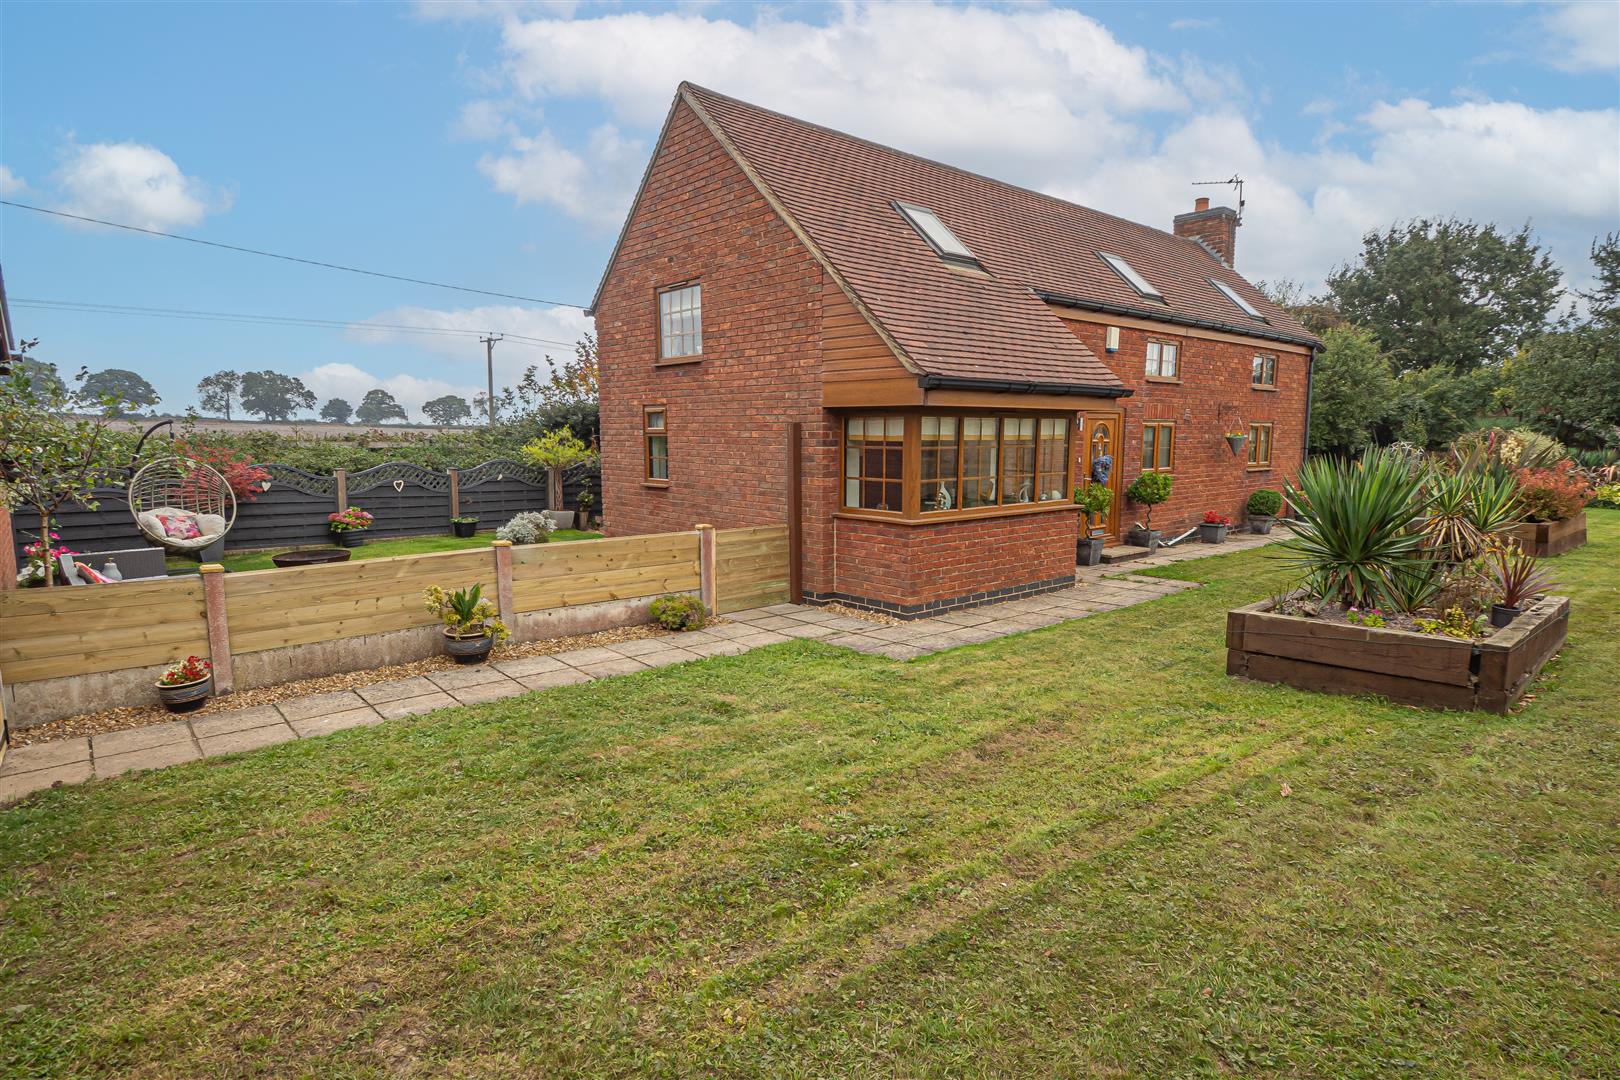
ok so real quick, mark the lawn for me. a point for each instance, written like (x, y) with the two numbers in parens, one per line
(378, 549)
(1080, 851)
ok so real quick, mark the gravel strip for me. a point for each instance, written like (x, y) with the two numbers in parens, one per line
(869, 616)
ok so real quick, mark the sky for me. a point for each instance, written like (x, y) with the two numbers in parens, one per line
(498, 146)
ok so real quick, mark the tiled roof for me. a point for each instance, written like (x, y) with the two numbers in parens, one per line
(841, 190)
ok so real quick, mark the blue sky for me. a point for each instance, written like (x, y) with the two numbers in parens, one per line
(497, 145)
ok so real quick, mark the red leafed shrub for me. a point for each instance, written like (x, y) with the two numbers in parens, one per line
(1552, 494)
(238, 470)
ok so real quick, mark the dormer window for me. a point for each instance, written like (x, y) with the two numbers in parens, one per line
(939, 237)
(1130, 276)
(1241, 304)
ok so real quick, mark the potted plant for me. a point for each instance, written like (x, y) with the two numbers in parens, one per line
(1236, 440)
(585, 501)
(347, 526)
(1212, 530)
(464, 526)
(1094, 500)
(1264, 505)
(471, 624)
(1517, 578)
(184, 686)
(1149, 490)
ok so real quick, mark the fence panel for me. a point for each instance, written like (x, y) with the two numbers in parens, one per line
(107, 528)
(48, 633)
(590, 571)
(291, 514)
(751, 567)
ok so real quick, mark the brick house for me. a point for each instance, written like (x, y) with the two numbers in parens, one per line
(948, 354)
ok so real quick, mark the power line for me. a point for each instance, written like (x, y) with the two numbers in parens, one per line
(273, 320)
(286, 258)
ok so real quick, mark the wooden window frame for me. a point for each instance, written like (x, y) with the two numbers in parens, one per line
(1268, 366)
(1161, 343)
(1255, 464)
(648, 434)
(911, 473)
(662, 291)
(907, 470)
(1159, 426)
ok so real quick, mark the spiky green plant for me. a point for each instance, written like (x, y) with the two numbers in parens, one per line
(1448, 522)
(1494, 501)
(1355, 523)
(1411, 585)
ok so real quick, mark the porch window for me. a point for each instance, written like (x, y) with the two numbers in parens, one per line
(1265, 371)
(1053, 466)
(874, 456)
(1162, 359)
(1158, 447)
(680, 322)
(941, 460)
(980, 458)
(1259, 446)
(1018, 457)
(655, 437)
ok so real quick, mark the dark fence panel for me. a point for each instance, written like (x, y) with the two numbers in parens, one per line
(497, 491)
(284, 516)
(107, 528)
(405, 499)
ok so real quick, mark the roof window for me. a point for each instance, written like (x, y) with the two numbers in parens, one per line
(1232, 295)
(1132, 278)
(940, 238)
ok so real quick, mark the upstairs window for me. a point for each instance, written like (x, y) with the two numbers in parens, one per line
(1163, 360)
(680, 322)
(1131, 277)
(1265, 371)
(1238, 301)
(939, 237)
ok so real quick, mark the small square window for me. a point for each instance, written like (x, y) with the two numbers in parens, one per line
(680, 322)
(1259, 446)
(1162, 359)
(1265, 371)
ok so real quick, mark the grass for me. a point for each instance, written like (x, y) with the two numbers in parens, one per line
(1081, 851)
(379, 549)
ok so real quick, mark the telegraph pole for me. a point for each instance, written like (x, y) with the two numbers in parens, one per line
(489, 362)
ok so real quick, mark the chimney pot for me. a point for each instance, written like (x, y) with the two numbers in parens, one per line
(1200, 205)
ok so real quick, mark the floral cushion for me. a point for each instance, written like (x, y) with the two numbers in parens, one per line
(179, 525)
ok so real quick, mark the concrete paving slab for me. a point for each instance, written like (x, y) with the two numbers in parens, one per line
(306, 708)
(750, 615)
(141, 738)
(779, 623)
(850, 625)
(731, 630)
(813, 615)
(579, 658)
(223, 723)
(809, 630)
(234, 742)
(719, 648)
(899, 650)
(641, 646)
(766, 637)
(459, 678)
(151, 757)
(488, 691)
(624, 665)
(316, 726)
(666, 657)
(782, 609)
(412, 706)
(415, 686)
(529, 665)
(548, 679)
(17, 785)
(47, 755)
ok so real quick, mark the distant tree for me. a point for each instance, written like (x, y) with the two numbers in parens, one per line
(274, 396)
(337, 411)
(219, 391)
(569, 397)
(116, 388)
(379, 407)
(42, 378)
(1352, 391)
(448, 410)
(1603, 302)
(1447, 294)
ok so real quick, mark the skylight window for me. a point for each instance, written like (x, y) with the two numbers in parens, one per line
(939, 237)
(1132, 278)
(1242, 304)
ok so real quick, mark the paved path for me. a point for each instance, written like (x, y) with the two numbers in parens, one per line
(73, 761)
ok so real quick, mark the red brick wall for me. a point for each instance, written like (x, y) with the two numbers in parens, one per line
(918, 564)
(1214, 396)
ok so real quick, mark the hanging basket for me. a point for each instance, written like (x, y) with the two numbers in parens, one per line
(185, 492)
(1237, 443)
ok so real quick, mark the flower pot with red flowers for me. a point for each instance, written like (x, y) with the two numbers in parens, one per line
(184, 686)
(1212, 530)
(347, 526)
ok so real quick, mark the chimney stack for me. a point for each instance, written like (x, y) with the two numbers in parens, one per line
(1216, 227)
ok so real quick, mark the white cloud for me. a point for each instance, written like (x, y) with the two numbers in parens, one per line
(11, 183)
(351, 383)
(594, 185)
(135, 184)
(1194, 24)
(1582, 36)
(482, 120)
(557, 327)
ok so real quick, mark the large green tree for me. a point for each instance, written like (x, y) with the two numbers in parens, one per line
(379, 407)
(447, 411)
(118, 389)
(337, 410)
(274, 396)
(220, 391)
(1352, 391)
(1448, 294)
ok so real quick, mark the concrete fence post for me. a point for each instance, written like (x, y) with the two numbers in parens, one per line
(219, 631)
(503, 582)
(707, 586)
(8, 552)
(342, 478)
(455, 492)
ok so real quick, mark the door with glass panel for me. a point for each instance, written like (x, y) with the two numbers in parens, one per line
(1098, 455)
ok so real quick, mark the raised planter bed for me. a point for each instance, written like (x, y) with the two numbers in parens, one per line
(1544, 539)
(1413, 669)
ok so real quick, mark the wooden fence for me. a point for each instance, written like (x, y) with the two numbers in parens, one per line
(52, 633)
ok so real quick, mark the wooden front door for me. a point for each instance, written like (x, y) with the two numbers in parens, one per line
(1100, 437)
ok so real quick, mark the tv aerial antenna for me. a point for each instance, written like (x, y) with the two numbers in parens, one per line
(1234, 181)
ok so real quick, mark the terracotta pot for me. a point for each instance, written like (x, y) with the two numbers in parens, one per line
(465, 649)
(184, 697)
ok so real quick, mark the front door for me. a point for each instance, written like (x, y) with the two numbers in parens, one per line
(1100, 438)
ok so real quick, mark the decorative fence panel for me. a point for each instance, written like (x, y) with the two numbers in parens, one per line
(106, 528)
(405, 499)
(751, 567)
(497, 491)
(291, 514)
(49, 633)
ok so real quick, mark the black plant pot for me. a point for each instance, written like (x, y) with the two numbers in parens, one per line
(465, 529)
(1148, 538)
(1501, 615)
(468, 650)
(1261, 523)
(349, 538)
(184, 697)
(1088, 552)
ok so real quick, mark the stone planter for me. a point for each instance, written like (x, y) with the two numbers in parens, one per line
(464, 529)
(466, 649)
(1212, 534)
(1148, 538)
(1088, 551)
(347, 538)
(1544, 539)
(1261, 523)
(184, 697)
(1412, 669)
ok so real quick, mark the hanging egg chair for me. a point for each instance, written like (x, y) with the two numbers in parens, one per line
(182, 506)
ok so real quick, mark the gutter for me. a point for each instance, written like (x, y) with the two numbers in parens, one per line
(952, 382)
(1161, 315)
(1310, 379)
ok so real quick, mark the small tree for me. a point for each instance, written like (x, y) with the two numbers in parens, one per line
(337, 411)
(1149, 490)
(220, 391)
(555, 451)
(378, 407)
(48, 458)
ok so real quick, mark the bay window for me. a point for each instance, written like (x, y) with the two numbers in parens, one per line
(874, 455)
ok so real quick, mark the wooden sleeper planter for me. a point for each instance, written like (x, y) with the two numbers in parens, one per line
(1544, 539)
(1413, 669)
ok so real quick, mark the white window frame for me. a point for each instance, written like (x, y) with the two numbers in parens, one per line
(1129, 275)
(946, 244)
(680, 323)
(1241, 304)
(1155, 353)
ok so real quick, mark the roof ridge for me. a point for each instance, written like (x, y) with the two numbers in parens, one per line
(687, 85)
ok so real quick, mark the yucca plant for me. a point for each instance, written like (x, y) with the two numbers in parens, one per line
(1411, 585)
(1355, 523)
(1448, 522)
(1495, 502)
